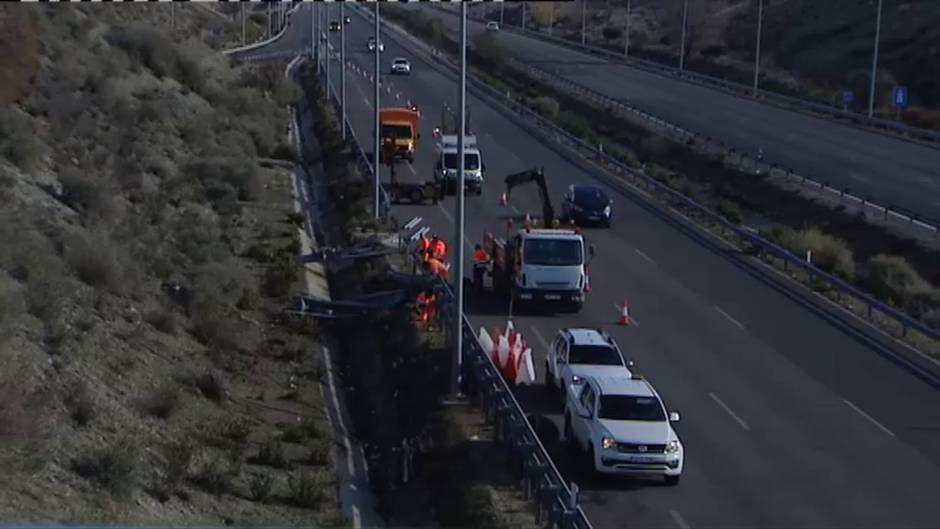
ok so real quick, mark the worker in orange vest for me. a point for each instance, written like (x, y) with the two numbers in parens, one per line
(480, 263)
(436, 267)
(425, 307)
(423, 245)
(438, 248)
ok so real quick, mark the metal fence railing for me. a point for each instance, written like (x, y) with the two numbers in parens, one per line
(729, 86)
(619, 174)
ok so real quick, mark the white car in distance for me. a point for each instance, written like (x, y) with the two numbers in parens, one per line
(623, 426)
(576, 353)
(492, 26)
(401, 65)
(372, 45)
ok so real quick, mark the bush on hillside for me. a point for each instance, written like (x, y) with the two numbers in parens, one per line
(487, 48)
(546, 106)
(158, 53)
(221, 175)
(828, 253)
(893, 279)
(94, 260)
(112, 466)
(19, 142)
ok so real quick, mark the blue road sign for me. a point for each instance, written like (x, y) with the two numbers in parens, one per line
(900, 96)
(848, 96)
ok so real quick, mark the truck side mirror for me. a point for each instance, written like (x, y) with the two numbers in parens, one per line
(673, 416)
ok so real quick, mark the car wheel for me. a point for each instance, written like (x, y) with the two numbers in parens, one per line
(416, 196)
(569, 435)
(590, 454)
(672, 481)
(549, 380)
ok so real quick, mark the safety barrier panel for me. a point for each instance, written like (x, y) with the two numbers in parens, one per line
(551, 132)
(729, 86)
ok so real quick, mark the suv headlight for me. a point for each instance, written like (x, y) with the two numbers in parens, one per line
(672, 447)
(607, 211)
(575, 379)
(608, 443)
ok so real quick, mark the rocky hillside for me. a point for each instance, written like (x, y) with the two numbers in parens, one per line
(147, 376)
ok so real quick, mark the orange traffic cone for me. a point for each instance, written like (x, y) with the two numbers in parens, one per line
(624, 314)
(502, 200)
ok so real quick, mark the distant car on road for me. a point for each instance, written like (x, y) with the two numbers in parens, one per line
(621, 423)
(347, 20)
(372, 45)
(576, 353)
(334, 25)
(492, 26)
(587, 204)
(401, 65)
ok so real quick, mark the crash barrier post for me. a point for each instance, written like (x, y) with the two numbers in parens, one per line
(744, 90)
(552, 134)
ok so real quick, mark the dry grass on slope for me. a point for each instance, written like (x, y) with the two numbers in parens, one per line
(127, 171)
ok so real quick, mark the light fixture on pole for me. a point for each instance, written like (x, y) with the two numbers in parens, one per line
(375, 109)
(457, 364)
(685, 14)
(760, 24)
(874, 64)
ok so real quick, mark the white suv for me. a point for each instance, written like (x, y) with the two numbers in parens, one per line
(576, 353)
(401, 65)
(622, 424)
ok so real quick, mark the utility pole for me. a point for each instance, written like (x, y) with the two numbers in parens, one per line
(551, 16)
(457, 365)
(375, 111)
(342, 64)
(244, 24)
(329, 84)
(760, 24)
(523, 15)
(685, 15)
(501, 6)
(874, 64)
(626, 34)
(583, 21)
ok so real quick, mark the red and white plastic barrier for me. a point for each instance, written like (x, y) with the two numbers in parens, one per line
(510, 353)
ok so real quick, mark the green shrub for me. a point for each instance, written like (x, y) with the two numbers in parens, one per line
(221, 175)
(285, 151)
(271, 453)
(279, 276)
(19, 142)
(79, 403)
(828, 253)
(214, 476)
(177, 456)
(259, 486)
(162, 401)
(305, 489)
(155, 50)
(94, 260)
(892, 278)
(319, 453)
(112, 467)
(932, 318)
(211, 385)
(546, 106)
(730, 211)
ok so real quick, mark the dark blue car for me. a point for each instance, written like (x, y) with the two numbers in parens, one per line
(586, 205)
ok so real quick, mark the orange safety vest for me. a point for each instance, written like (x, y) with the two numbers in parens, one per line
(439, 249)
(438, 269)
(424, 243)
(480, 257)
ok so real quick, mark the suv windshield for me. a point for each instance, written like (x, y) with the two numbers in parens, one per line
(471, 161)
(630, 408)
(553, 252)
(398, 132)
(590, 197)
(601, 355)
(401, 61)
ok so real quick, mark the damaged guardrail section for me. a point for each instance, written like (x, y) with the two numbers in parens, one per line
(556, 503)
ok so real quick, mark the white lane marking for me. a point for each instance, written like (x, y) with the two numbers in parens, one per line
(446, 214)
(539, 337)
(412, 169)
(871, 419)
(644, 256)
(726, 315)
(368, 103)
(730, 412)
(339, 413)
(676, 517)
(632, 319)
(357, 519)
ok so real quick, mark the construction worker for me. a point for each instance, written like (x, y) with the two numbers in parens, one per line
(480, 263)
(423, 245)
(425, 307)
(438, 248)
(436, 267)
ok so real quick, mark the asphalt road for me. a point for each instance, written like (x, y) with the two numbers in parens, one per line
(792, 416)
(884, 169)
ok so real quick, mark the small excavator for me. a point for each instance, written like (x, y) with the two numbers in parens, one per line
(536, 175)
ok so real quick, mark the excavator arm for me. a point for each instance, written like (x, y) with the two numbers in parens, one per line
(538, 176)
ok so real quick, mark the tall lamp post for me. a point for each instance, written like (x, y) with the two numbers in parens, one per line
(457, 364)
(874, 64)
(375, 109)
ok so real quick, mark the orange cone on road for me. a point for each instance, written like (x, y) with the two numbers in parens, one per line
(624, 314)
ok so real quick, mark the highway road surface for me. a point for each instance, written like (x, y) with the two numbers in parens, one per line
(887, 170)
(793, 415)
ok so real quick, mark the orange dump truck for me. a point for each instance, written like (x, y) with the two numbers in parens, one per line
(401, 126)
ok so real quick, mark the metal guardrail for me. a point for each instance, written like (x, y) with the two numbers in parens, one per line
(248, 56)
(845, 196)
(729, 86)
(558, 135)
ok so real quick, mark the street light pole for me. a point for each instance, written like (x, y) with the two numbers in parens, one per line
(342, 63)
(375, 111)
(685, 14)
(551, 16)
(523, 15)
(501, 6)
(329, 85)
(244, 24)
(583, 21)
(874, 64)
(315, 34)
(760, 23)
(459, 235)
(626, 36)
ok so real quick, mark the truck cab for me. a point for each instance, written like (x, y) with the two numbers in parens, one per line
(541, 267)
(446, 167)
(401, 126)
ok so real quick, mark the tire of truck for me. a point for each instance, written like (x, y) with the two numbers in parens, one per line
(416, 195)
